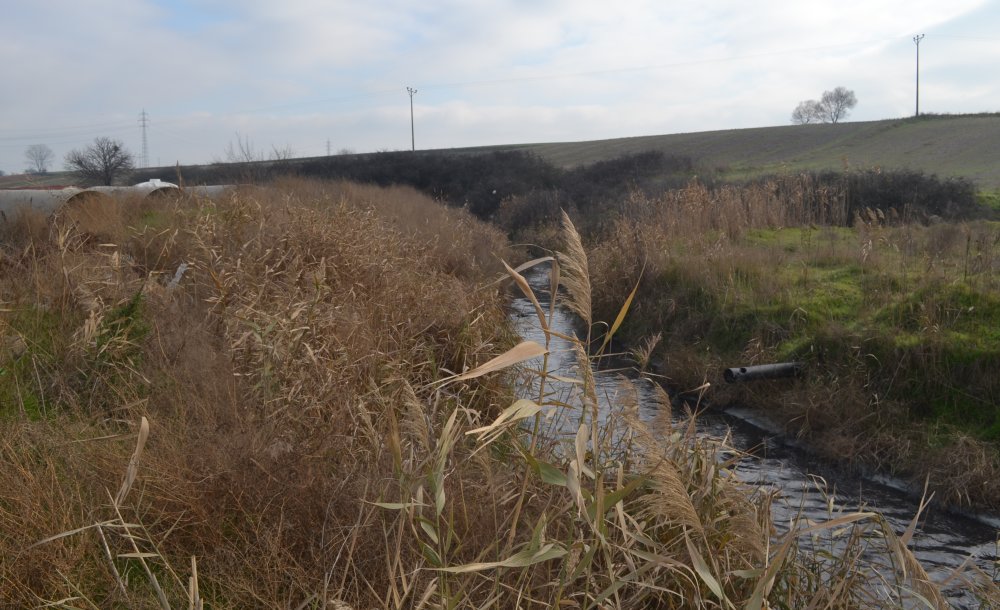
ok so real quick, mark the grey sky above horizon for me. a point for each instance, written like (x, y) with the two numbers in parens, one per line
(313, 75)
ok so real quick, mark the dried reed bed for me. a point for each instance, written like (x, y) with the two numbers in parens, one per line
(308, 322)
(731, 210)
(282, 423)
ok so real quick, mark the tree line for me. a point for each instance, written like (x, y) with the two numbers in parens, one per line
(102, 162)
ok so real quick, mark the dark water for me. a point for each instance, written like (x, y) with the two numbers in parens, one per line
(802, 484)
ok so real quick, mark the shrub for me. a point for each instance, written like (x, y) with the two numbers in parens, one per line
(912, 195)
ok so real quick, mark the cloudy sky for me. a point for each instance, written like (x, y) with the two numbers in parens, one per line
(316, 75)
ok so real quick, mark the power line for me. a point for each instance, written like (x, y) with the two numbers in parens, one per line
(62, 133)
(327, 100)
(652, 67)
(67, 139)
(75, 132)
(983, 38)
(67, 128)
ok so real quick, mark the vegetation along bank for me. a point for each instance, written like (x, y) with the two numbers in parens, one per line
(892, 305)
(303, 396)
(882, 281)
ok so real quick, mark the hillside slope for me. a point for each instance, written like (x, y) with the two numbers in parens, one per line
(36, 181)
(966, 146)
(945, 145)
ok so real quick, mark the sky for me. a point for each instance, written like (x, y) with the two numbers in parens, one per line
(312, 77)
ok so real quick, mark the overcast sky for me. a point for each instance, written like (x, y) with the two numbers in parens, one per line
(313, 75)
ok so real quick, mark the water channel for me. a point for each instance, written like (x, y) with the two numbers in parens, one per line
(804, 484)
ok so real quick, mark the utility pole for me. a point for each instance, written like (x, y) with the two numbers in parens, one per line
(144, 120)
(916, 40)
(413, 138)
(328, 147)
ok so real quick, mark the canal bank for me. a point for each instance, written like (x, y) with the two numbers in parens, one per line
(804, 485)
(896, 325)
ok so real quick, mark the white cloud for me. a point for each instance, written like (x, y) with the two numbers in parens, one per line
(298, 72)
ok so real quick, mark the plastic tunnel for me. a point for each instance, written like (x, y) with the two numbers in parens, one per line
(151, 188)
(45, 201)
(48, 201)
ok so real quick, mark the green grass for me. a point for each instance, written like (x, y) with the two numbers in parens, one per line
(105, 363)
(947, 332)
(899, 325)
(39, 334)
(990, 199)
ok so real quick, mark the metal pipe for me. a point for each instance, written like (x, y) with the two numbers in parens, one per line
(763, 371)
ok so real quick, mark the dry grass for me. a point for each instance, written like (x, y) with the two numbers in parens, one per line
(270, 374)
(310, 416)
(893, 316)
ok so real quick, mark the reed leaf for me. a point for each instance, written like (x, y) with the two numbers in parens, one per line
(133, 463)
(521, 409)
(529, 294)
(705, 573)
(621, 315)
(521, 559)
(526, 350)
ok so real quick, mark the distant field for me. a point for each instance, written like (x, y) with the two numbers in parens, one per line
(950, 145)
(961, 146)
(25, 181)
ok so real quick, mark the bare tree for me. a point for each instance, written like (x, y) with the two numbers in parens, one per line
(837, 103)
(252, 164)
(831, 108)
(243, 152)
(807, 112)
(282, 154)
(38, 157)
(102, 162)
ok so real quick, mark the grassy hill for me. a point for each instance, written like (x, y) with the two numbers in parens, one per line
(960, 145)
(29, 181)
(945, 145)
